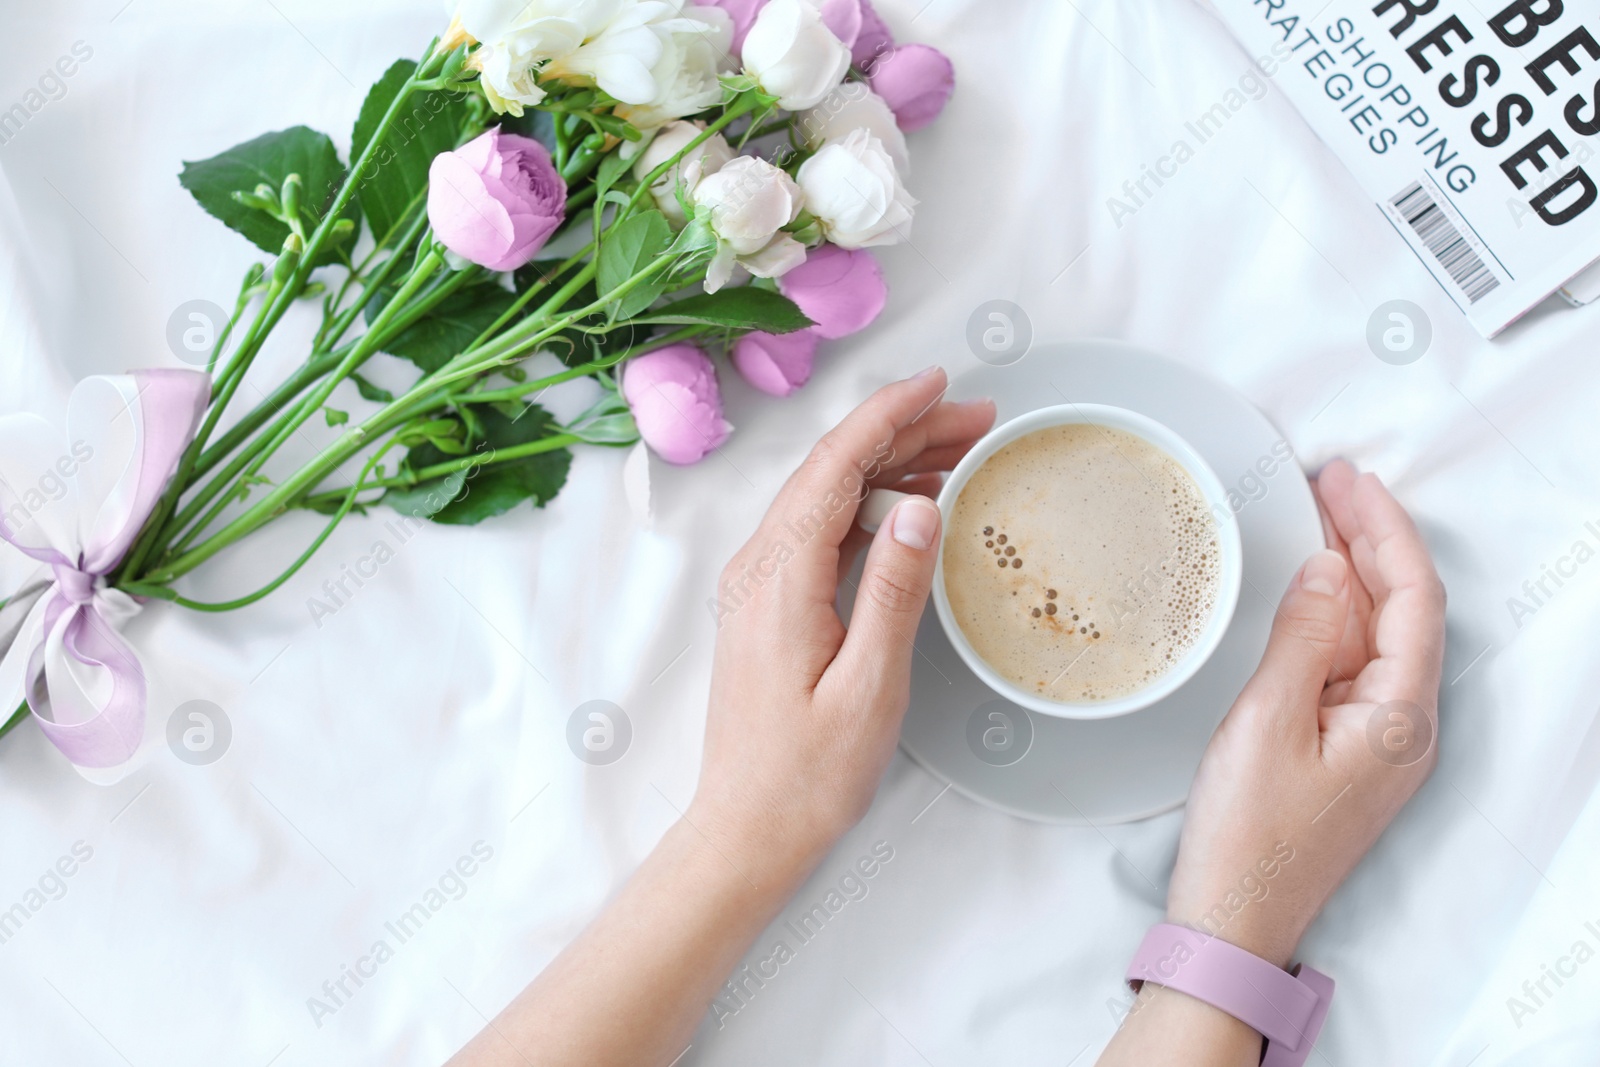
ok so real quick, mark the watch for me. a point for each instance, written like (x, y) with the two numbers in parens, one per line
(1288, 1007)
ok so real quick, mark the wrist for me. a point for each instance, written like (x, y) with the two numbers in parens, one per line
(1273, 938)
(768, 847)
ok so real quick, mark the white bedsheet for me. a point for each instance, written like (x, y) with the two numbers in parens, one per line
(428, 714)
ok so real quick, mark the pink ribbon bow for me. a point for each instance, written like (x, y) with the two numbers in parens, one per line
(76, 505)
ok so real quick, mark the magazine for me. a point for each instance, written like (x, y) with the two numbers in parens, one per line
(1472, 129)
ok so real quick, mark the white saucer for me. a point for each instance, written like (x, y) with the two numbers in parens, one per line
(1138, 765)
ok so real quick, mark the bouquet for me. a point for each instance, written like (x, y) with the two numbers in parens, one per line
(639, 187)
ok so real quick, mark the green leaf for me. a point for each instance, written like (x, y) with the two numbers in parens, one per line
(533, 122)
(741, 307)
(369, 391)
(453, 324)
(611, 168)
(511, 409)
(629, 247)
(268, 160)
(330, 506)
(335, 417)
(494, 488)
(615, 126)
(397, 178)
(607, 422)
(640, 297)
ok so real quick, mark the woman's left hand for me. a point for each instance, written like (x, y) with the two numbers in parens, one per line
(804, 713)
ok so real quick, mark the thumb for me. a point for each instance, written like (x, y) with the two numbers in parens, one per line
(1305, 636)
(877, 650)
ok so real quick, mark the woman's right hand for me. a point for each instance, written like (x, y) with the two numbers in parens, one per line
(1330, 738)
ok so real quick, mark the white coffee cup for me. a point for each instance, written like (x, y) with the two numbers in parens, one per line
(880, 502)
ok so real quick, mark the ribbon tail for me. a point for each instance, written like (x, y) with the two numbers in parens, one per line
(92, 703)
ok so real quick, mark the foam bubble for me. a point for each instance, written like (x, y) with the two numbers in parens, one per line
(1119, 542)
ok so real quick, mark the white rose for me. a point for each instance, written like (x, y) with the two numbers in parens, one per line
(693, 57)
(747, 203)
(853, 189)
(629, 48)
(793, 56)
(519, 37)
(621, 57)
(707, 157)
(854, 107)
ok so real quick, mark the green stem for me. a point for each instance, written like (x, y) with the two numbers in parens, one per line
(239, 305)
(741, 105)
(16, 717)
(749, 131)
(315, 368)
(262, 448)
(533, 290)
(350, 494)
(756, 133)
(584, 370)
(581, 165)
(249, 462)
(558, 121)
(273, 309)
(334, 326)
(463, 366)
(460, 463)
(517, 333)
(274, 403)
(229, 382)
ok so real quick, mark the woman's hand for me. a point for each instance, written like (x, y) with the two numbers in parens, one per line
(804, 714)
(803, 718)
(1330, 738)
(1327, 742)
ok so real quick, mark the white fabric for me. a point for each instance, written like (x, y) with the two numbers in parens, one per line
(428, 712)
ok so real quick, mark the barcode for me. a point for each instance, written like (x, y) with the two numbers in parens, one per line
(1445, 243)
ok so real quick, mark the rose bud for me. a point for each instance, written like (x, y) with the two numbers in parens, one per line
(853, 189)
(856, 107)
(742, 12)
(793, 55)
(874, 40)
(916, 80)
(496, 199)
(775, 363)
(704, 159)
(748, 201)
(675, 401)
(842, 17)
(839, 290)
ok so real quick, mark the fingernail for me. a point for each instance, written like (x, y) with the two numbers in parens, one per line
(916, 522)
(1323, 573)
(976, 402)
(935, 369)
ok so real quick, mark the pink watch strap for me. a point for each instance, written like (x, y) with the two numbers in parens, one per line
(1288, 1008)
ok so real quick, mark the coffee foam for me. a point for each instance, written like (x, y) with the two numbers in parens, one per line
(1081, 562)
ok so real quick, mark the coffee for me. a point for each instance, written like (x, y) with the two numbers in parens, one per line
(1081, 562)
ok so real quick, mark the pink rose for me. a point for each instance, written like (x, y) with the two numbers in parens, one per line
(742, 12)
(776, 363)
(915, 80)
(841, 291)
(844, 18)
(675, 401)
(496, 199)
(874, 41)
